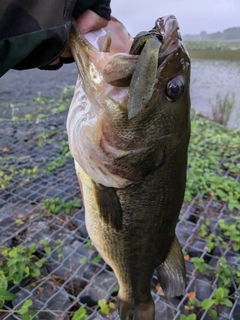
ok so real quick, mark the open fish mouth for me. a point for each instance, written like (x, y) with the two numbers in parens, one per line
(115, 45)
(123, 84)
(166, 29)
(168, 26)
(171, 37)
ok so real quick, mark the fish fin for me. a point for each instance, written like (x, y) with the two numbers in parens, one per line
(144, 78)
(141, 311)
(172, 271)
(109, 206)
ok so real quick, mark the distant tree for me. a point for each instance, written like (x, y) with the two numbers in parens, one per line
(228, 34)
(231, 34)
(203, 35)
(216, 36)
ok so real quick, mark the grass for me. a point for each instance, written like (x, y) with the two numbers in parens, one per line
(213, 151)
(36, 109)
(213, 45)
(223, 108)
(57, 205)
(220, 50)
(213, 166)
(15, 264)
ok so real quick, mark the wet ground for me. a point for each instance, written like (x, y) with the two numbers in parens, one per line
(18, 86)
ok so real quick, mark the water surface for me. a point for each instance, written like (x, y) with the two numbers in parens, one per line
(210, 77)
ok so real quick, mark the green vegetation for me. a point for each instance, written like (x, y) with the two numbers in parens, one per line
(104, 308)
(210, 144)
(219, 298)
(36, 109)
(220, 50)
(15, 264)
(98, 258)
(225, 275)
(214, 162)
(223, 108)
(200, 265)
(231, 230)
(212, 240)
(57, 163)
(57, 205)
(222, 271)
(228, 234)
(189, 317)
(80, 314)
(6, 177)
(45, 137)
(24, 311)
(213, 45)
(60, 161)
(32, 171)
(8, 173)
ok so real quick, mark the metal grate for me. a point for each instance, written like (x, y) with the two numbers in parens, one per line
(36, 166)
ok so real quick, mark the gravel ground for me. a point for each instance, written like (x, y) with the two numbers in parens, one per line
(41, 203)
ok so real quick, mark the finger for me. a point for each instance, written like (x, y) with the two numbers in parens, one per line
(90, 21)
(87, 21)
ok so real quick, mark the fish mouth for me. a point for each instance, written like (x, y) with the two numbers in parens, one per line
(166, 29)
(171, 38)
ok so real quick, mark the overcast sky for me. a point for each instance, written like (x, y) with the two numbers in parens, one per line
(194, 16)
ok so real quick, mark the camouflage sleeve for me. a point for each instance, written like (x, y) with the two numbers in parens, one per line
(34, 33)
(101, 7)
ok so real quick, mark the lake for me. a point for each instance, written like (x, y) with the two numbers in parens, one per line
(211, 77)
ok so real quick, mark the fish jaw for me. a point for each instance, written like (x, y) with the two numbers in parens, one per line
(171, 36)
(88, 113)
(86, 50)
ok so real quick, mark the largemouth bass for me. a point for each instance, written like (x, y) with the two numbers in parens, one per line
(128, 129)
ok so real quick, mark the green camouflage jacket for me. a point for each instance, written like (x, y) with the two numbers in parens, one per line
(33, 33)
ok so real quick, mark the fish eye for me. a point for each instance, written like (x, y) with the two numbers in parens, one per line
(175, 88)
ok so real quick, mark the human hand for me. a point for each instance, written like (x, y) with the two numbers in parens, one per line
(86, 21)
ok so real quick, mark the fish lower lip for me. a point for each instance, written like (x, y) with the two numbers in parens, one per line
(160, 27)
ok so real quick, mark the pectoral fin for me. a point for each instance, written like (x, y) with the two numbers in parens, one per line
(144, 77)
(109, 206)
(172, 271)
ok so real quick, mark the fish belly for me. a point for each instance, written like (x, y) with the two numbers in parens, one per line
(150, 211)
